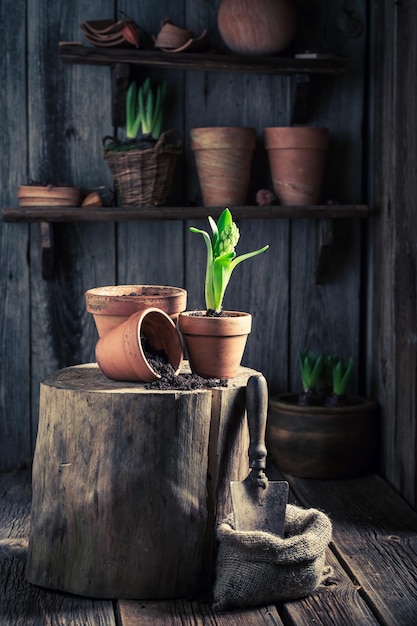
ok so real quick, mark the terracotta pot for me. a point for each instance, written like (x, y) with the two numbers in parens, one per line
(224, 161)
(111, 306)
(257, 26)
(215, 345)
(120, 354)
(322, 442)
(297, 158)
(48, 195)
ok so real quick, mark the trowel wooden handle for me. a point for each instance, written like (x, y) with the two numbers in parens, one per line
(256, 410)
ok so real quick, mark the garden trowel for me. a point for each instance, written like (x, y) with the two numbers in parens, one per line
(257, 503)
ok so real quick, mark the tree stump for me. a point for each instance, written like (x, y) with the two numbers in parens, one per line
(129, 484)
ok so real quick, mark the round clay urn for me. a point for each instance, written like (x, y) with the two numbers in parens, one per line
(120, 353)
(110, 306)
(257, 26)
(215, 345)
(323, 442)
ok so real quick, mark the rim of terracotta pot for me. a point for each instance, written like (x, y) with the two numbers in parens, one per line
(120, 299)
(288, 402)
(282, 137)
(223, 137)
(230, 324)
(158, 328)
(49, 195)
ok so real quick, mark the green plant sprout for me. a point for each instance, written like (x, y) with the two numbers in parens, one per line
(324, 379)
(342, 375)
(145, 109)
(221, 258)
(311, 367)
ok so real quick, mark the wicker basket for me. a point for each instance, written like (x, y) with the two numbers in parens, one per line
(144, 177)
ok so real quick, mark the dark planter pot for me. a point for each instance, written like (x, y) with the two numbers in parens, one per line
(323, 442)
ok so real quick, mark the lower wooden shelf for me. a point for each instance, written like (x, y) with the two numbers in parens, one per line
(124, 214)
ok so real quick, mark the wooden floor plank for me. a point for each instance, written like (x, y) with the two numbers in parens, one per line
(336, 603)
(375, 537)
(373, 554)
(184, 613)
(23, 604)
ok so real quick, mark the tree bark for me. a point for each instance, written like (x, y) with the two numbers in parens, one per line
(129, 484)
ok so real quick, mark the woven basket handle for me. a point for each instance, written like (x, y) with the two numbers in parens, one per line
(108, 138)
(171, 138)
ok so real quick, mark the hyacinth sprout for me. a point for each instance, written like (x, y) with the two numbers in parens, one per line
(221, 258)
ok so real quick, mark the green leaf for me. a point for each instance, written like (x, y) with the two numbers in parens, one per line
(222, 260)
(310, 367)
(221, 277)
(248, 255)
(342, 375)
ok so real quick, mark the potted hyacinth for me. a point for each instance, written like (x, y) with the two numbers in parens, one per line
(323, 431)
(143, 164)
(215, 339)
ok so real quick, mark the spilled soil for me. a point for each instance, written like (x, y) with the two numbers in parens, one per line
(158, 360)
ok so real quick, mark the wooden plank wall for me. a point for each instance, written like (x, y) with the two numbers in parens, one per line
(393, 262)
(51, 125)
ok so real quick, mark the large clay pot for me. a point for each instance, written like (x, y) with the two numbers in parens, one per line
(113, 305)
(120, 354)
(223, 157)
(215, 345)
(322, 442)
(257, 26)
(297, 157)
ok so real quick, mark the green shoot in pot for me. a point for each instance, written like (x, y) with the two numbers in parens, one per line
(342, 375)
(221, 258)
(145, 109)
(311, 367)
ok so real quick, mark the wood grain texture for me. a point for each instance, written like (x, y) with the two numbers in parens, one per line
(375, 538)
(180, 612)
(23, 604)
(393, 259)
(14, 276)
(67, 119)
(152, 253)
(374, 513)
(122, 481)
(328, 317)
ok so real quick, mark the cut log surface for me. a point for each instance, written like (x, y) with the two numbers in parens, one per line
(129, 483)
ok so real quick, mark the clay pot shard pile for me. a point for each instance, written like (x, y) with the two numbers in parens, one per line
(109, 33)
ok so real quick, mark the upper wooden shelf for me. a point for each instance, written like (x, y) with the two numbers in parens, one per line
(124, 214)
(76, 53)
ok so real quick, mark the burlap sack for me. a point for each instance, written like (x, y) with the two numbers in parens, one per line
(255, 568)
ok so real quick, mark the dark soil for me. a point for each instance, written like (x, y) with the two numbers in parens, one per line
(158, 360)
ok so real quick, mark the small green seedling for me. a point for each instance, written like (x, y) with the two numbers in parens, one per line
(145, 109)
(311, 367)
(221, 258)
(342, 375)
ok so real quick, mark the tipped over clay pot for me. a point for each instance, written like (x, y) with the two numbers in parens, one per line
(120, 353)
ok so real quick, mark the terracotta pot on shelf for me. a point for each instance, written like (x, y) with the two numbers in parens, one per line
(297, 157)
(215, 345)
(223, 157)
(113, 305)
(322, 442)
(48, 195)
(121, 356)
(257, 26)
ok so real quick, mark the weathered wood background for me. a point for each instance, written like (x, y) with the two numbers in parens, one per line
(53, 117)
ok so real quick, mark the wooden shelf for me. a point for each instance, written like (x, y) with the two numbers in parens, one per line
(125, 214)
(76, 53)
